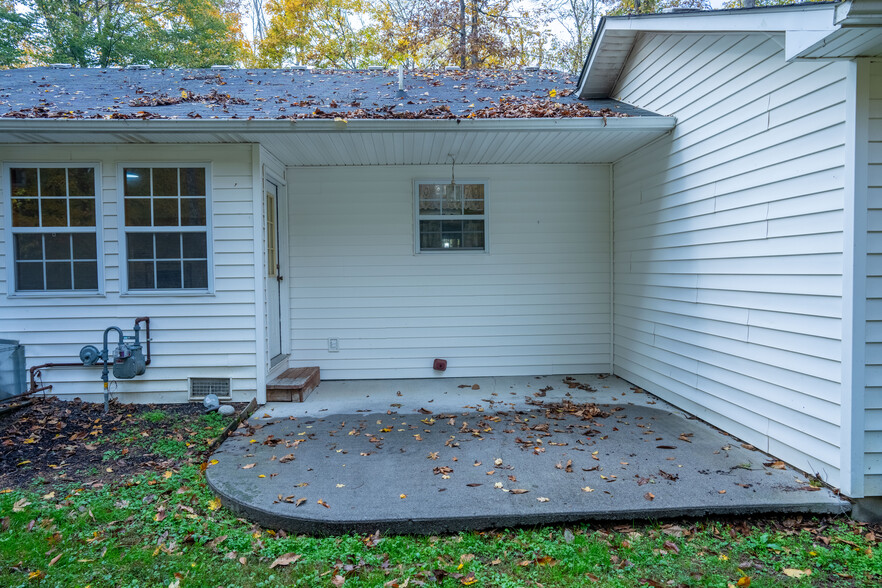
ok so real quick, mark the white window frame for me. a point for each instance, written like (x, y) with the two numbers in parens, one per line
(484, 217)
(123, 230)
(98, 230)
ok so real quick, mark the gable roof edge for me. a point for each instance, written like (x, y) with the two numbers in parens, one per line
(616, 35)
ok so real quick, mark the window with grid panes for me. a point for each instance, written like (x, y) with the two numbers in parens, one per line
(451, 217)
(54, 229)
(166, 227)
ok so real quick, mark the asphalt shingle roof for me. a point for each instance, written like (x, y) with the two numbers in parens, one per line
(287, 93)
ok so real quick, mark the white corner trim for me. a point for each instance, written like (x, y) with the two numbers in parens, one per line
(854, 276)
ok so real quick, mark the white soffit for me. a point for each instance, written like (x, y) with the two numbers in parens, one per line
(616, 35)
(857, 33)
(374, 142)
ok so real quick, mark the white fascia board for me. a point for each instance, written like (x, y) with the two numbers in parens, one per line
(61, 127)
(762, 20)
(850, 18)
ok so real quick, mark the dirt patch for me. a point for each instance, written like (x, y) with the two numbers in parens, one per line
(54, 442)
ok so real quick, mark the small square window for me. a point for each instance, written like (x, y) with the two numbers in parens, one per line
(450, 216)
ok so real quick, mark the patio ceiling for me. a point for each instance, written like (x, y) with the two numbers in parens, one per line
(373, 142)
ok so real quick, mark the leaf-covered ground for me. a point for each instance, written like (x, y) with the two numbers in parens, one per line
(163, 527)
(51, 441)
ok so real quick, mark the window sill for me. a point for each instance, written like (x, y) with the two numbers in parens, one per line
(174, 293)
(63, 294)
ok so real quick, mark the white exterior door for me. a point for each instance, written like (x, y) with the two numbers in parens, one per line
(274, 278)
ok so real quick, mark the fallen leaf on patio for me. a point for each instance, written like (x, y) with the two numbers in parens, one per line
(665, 446)
(810, 488)
(491, 472)
(287, 458)
(248, 466)
(497, 462)
(213, 462)
(338, 580)
(300, 502)
(794, 573)
(323, 503)
(433, 455)
(386, 430)
(748, 446)
(778, 465)
(424, 411)
(542, 499)
(667, 476)
(722, 491)
(477, 463)
(402, 496)
(261, 475)
(285, 560)
(341, 485)
(587, 489)
(512, 479)
(475, 387)
(473, 485)
(685, 437)
(518, 491)
(497, 485)
(649, 496)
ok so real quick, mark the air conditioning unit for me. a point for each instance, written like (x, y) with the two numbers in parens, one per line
(12, 369)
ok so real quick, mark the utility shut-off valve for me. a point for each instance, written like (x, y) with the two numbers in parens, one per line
(127, 359)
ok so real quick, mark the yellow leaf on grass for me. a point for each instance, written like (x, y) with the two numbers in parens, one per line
(168, 474)
(794, 573)
(214, 504)
(744, 581)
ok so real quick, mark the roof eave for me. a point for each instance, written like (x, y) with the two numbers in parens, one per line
(62, 127)
(807, 19)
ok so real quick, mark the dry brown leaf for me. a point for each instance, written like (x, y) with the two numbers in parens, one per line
(287, 458)
(649, 496)
(794, 573)
(248, 466)
(285, 560)
(518, 491)
(338, 580)
(777, 464)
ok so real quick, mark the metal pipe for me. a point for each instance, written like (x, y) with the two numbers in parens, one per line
(146, 321)
(105, 373)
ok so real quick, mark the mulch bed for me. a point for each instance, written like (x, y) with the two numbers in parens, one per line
(57, 441)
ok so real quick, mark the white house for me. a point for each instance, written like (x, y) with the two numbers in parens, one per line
(718, 246)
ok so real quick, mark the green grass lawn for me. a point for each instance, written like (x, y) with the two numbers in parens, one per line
(165, 528)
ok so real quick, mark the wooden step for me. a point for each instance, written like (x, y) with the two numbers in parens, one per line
(293, 383)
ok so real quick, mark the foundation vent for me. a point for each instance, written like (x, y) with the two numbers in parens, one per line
(202, 387)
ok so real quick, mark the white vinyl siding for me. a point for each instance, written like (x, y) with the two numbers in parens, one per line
(194, 334)
(536, 303)
(728, 241)
(873, 374)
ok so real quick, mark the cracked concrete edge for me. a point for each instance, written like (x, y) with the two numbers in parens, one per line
(322, 527)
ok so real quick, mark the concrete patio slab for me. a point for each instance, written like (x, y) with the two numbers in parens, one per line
(448, 455)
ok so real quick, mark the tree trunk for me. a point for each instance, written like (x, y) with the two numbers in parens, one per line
(474, 52)
(462, 34)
